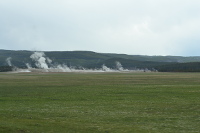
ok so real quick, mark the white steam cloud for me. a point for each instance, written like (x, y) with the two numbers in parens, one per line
(119, 66)
(40, 60)
(105, 68)
(8, 61)
(28, 66)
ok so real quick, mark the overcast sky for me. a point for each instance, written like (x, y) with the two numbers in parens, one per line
(145, 27)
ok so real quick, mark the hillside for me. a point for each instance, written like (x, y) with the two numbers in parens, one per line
(128, 64)
(179, 59)
(73, 58)
(180, 67)
(89, 59)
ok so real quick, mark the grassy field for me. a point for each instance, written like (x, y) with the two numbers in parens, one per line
(100, 102)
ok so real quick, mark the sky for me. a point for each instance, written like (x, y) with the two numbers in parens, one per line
(135, 27)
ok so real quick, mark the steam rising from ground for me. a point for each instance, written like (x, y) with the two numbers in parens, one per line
(8, 61)
(40, 60)
(119, 66)
(44, 64)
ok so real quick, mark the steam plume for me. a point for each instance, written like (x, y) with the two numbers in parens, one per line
(105, 68)
(40, 60)
(8, 60)
(119, 66)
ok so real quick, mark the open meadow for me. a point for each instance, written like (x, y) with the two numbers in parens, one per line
(99, 102)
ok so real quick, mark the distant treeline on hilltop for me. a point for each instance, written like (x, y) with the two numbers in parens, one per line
(88, 59)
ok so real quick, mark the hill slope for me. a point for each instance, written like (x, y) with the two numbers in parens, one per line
(90, 59)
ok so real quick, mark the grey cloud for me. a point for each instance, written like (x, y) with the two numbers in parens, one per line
(123, 26)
